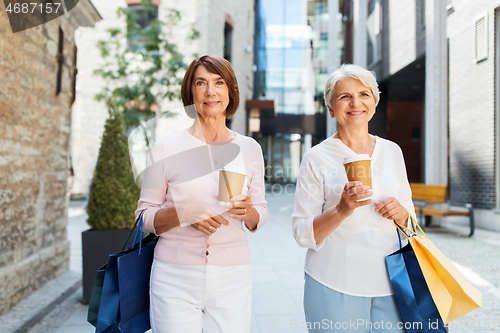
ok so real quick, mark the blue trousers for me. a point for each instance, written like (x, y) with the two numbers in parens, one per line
(329, 310)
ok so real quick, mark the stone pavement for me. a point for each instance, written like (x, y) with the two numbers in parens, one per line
(277, 268)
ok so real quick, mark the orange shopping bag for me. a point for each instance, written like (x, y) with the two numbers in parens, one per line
(453, 295)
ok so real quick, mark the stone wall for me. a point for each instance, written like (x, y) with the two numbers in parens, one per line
(34, 153)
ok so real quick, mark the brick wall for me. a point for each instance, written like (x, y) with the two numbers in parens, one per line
(34, 155)
(471, 106)
(471, 88)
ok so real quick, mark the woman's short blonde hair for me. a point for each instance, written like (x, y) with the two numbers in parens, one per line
(366, 77)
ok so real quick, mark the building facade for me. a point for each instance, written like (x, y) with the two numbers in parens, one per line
(36, 94)
(226, 29)
(292, 60)
(438, 73)
(437, 65)
(472, 33)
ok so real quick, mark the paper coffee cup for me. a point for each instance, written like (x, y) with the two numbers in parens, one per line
(231, 180)
(358, 168)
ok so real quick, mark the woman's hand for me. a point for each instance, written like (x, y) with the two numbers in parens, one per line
(391, 209)
(326, 223)
(210, 226)
(353, 191)
(240, 207)
(201, 218)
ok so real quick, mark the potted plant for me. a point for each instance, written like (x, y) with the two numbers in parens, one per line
(112, 201)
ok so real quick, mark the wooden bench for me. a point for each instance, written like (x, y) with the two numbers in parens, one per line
(424, 195)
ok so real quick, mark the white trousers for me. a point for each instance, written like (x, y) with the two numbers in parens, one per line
(195, 299)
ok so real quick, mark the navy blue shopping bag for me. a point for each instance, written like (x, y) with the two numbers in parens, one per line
(124, 302)
(418, 310)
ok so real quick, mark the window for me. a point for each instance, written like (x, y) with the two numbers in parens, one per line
(371, 6)
(373, 24)
(321, 10)
(421, 14)
(322, 51)
(142, 17)
(481, 39)
(60, 61)
(345, 38)
(75, 73)
(228, 41)
(449, 6)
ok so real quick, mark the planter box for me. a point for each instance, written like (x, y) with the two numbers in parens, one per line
(97, 245)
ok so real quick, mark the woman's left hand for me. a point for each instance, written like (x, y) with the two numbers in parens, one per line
(240, 207)
(391, 209)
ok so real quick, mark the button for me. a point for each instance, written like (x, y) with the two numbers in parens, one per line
(207, 253)
(208, 245)
(206, 260)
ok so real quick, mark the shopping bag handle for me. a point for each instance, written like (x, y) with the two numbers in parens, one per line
(139, 229)
(404, 232)
(403, 229)
(139, 219)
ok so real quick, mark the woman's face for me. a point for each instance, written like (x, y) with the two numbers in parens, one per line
(210, 93)
(353, 103)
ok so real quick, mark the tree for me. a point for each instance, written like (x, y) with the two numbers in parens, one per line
(113, 191)
(141, 67)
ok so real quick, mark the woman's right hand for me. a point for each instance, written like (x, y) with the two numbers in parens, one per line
(201, 218)
(353, 191)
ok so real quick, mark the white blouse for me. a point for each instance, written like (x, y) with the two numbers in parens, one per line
(351, 260)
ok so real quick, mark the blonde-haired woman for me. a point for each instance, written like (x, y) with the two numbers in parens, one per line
(347, 287)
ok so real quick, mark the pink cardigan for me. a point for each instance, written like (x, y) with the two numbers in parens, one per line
(183, 170)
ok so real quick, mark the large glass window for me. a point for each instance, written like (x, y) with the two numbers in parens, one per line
(293, 57)
(322, 51)
(293, 51)
(289, 43)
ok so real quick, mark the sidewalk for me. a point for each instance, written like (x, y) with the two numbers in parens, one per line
(277, 268)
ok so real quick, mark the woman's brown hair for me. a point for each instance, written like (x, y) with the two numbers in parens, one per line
(216, 65)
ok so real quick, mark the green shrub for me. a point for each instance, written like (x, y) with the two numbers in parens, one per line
(113, 191)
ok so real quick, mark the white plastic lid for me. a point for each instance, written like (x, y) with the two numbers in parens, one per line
(354, 158)
(233, 168)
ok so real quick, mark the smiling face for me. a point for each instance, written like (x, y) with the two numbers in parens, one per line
(353, 104)
(210, 93)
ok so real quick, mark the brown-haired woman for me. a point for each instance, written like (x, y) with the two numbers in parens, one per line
(200, 278)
